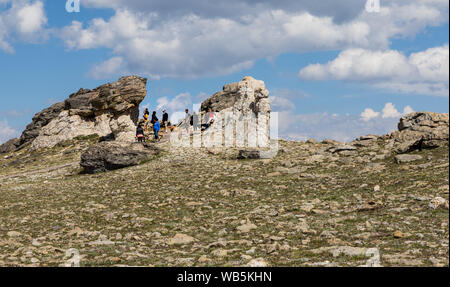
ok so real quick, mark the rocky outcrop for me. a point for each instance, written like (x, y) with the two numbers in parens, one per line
(420, 131)
(240, 107)
(109, 109)
(106, 156)
(9, 146)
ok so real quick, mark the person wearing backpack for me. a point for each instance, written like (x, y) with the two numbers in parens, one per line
(140, 133)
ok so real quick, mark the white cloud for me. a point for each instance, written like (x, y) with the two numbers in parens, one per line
(389, 111)
(192, 39)
(408, 110)
(369, 114)
(108, 68)
(175, 107)
(23, 20)
(279, 104)
(6, 132)
(426, 72)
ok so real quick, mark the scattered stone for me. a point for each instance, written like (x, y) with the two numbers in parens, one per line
(438, 202)
(14, 234)
(342, 148)
(398, 234)
(181, 239)
(406, 158)
(259, 262)
(247, 227)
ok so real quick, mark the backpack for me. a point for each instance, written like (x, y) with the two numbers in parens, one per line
(191, 121)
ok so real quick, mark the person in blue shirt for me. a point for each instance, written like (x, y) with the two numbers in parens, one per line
(156, 125)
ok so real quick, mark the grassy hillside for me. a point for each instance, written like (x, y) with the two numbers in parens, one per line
(293, 210)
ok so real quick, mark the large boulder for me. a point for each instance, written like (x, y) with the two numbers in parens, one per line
(109, 109)
(421, 130)
(106, 156)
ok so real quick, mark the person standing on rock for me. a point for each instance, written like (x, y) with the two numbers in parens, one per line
(165, 120)
(209, 118)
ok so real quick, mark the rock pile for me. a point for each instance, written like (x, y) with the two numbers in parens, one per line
(109, 109)
(421, 130)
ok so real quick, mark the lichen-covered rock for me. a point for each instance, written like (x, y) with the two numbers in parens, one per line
(109, 109)
(421, 130)
(106, 156)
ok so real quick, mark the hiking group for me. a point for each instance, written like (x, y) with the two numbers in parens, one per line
(156, 125)
(189, 120)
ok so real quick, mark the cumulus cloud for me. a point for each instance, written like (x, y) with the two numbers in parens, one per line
(279, 104)
(6, 132)
(21, 20)
(389, 111)
(369, 114)
(198, 38)
(425, 72)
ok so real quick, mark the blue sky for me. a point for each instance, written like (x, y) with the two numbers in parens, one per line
(334, 70)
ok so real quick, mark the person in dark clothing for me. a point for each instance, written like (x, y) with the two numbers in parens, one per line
(140, 133)
(165, 120)
(154, 118)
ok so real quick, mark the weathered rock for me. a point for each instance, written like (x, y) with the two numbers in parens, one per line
(365, 141)
(421, 130)
(437, 202)
(246, 227)
(249, 154)
(40, 120)
(9, 146)
(109, 109)
(106, 156)
(405, 158)
(343, 148)
(259, 262)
